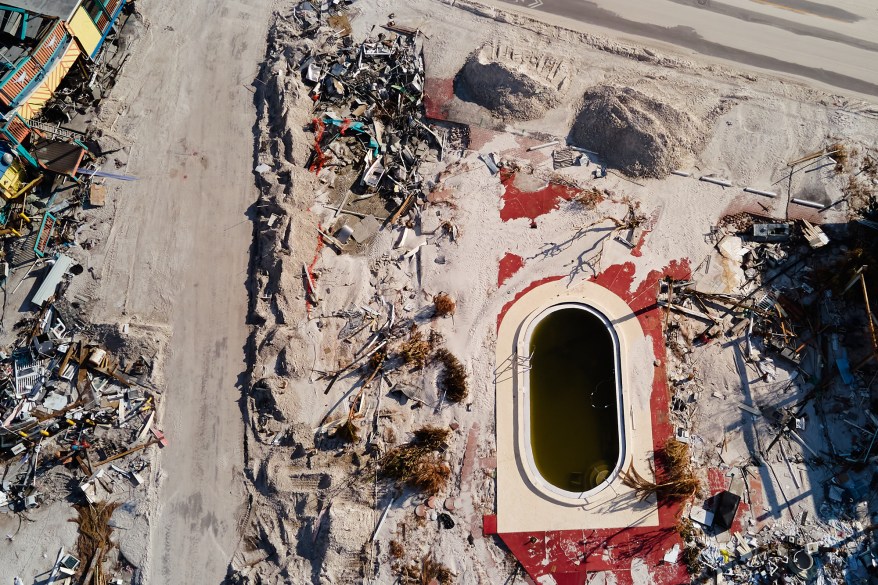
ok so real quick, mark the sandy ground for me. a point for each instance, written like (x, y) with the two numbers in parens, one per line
(830, 44)
(314, 507)
(175, 261)
(177, 255)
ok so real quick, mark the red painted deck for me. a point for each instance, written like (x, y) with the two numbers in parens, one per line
(569, 555)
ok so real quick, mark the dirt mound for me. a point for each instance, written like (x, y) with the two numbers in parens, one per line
(504, 89)
(635, 133)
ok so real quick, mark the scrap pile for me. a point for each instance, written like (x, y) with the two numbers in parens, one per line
(75, 415)
(368, 123)
(65, 402)
(787, 309)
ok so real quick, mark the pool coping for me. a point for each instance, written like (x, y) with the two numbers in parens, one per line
(523, 335)
(521, 504)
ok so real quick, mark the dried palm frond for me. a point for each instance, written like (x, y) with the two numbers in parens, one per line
(416, 349)
(453, 379)
(675, 481)
(444, 305)
(418, 464)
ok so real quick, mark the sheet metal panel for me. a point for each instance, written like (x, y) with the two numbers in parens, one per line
(52, 280)
(85, 31)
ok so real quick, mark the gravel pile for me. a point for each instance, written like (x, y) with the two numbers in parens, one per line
(634, 132)
(508, 93)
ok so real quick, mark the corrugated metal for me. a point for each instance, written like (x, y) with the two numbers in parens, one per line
(50, 44)
(57, 156)
(18, 81)
(18, 129)
(113, 6)
(44, 92)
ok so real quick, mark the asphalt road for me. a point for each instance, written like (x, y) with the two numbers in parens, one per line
(835, 44)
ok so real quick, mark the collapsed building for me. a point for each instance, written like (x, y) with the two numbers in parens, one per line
(78, 400)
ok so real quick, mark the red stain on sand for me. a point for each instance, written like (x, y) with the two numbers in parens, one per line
(509, 265)
(310, 269)
(571, 554)
(531, 204)
(438, 93)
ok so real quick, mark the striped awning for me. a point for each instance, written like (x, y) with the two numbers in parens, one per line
(31, 107)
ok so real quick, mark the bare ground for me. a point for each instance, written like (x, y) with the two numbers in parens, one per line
(177, 255)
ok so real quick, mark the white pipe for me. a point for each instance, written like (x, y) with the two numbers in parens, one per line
(381, 521)
(759, 192)
(544, 145)
(807, 203)
(721, 182)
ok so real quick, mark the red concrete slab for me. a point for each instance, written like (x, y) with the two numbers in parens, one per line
(531, 204)
(757, 503)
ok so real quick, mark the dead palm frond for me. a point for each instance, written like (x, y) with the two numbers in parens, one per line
(675, 479)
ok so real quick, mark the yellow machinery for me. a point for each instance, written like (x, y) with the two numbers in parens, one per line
(14, 176)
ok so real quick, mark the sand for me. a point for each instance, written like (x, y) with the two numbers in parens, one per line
(638, 135)
(315, 502)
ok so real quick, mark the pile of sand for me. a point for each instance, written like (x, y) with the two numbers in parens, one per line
(504, 88)
(635, 133)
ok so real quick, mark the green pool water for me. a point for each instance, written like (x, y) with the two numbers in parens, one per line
(573, 407)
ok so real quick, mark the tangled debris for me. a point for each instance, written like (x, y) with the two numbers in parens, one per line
(369, 117)
(786, 305)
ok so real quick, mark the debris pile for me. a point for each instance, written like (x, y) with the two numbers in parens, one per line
(66, 403)
(369, 133)
(637, 134)
(785, 306)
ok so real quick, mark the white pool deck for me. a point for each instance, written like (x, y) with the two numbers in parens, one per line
(522, 505)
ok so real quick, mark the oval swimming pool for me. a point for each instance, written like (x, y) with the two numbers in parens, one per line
(575, 426)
